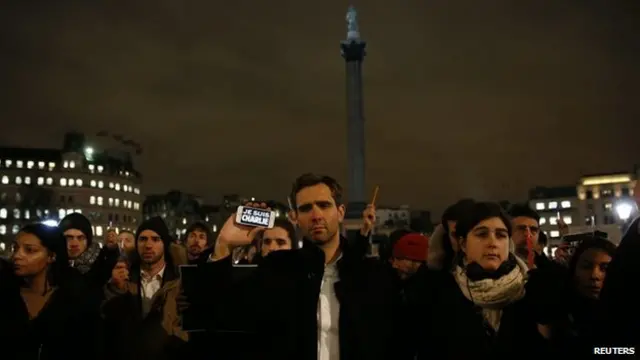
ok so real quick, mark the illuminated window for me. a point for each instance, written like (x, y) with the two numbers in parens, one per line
(100, 184)
(40, 181)
(79, 211)
(52, 165)
(553, 205)
(567, 220)
(92, 167)
(184, 221)
(98, 230)
(65, 164)
(15, 229)
(136, 190)
(71, 182)
(539, 206)
(93, 183)
(27, 180)
(110, 185)
(92, 200)
(136, 206)
(3, 229)
(29, 164)
(125, 188)
(100, 200)
(63, 182)
(18, 180)
(608, 206)
(79, 182)
(16, 213)
(129, 204)
(100, 168)
(61, 213)
(40, 164)
(72, 164)
(117, 202)
(117, 187)
(5, 180)
(554, 233)
(543, 221)
(69, 211)
(27, 214)
(19, 164)
(566, 204)
(8, 163)
(49, 181)
(110, 201)
(553, 220)
(3, 213)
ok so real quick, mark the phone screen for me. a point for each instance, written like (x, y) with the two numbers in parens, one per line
(255, 217)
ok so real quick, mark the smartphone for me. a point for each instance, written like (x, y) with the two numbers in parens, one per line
(255, 217)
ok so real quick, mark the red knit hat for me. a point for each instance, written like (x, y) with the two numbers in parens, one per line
(412, 246)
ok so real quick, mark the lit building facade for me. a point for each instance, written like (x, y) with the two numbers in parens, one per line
(44, 185)
(598, 202)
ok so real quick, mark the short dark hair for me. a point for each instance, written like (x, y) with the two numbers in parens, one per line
(523, 210)
(479, 212)
(455, 212)
(594, 242)
(543, 240)
(288, 227)
(309, 179)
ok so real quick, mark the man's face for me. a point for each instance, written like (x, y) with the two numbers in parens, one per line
(405, 267)
(522, 227)
(76, 243)
(127, 241)
(150, 247)
(275, 239)
(318, 216)
(112, 236)
(196, 242)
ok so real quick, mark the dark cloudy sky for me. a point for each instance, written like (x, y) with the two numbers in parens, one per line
(463, 97)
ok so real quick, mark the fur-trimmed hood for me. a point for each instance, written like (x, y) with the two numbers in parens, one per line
(437, 255)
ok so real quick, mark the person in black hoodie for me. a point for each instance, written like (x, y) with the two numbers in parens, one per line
(85, 255)
(44, 311)
(584, 319)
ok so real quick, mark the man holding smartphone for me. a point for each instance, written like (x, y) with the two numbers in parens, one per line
(324, 301)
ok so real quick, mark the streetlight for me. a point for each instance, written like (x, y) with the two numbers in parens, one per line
(624, 210)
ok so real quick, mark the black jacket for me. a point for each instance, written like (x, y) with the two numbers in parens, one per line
(276, 307)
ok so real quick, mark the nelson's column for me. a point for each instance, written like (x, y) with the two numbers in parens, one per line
(353, 52)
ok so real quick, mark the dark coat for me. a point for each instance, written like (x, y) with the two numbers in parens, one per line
(276, 307)
(446, 325)
(66, 328)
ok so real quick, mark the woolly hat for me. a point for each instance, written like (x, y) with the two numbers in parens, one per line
(412, 246)
(79, 222)
(157, 225)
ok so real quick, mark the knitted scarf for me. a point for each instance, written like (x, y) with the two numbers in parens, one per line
(492, 295)
(85, 261)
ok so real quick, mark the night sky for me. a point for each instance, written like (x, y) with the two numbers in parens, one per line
(462, 97)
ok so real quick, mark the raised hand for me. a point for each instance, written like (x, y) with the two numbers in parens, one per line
(234, 235)
(120, 275)
(369, 220)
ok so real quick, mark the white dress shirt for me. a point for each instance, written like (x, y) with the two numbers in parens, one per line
(149, 286)
(329, 314)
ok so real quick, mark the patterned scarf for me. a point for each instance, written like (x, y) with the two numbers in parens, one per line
(85, 261)
(492, 295)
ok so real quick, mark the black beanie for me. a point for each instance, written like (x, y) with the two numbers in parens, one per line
(79, 222)
(156, 224)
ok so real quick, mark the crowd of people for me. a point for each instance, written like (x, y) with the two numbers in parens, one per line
(479, 287)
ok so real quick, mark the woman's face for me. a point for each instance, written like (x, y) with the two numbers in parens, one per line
(487, 244)
(591, 269)
(30, 257)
